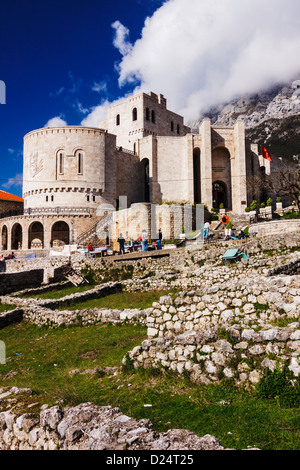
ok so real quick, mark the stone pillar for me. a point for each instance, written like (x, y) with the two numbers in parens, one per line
(206, 163)
(189, 168)
(9, 227)
(25, 236)
(238, 169)
(47, 232)
(153, 173)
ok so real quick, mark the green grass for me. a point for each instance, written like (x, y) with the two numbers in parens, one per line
(59, 292)
(42, 359)
(5, 308)
(121, 300)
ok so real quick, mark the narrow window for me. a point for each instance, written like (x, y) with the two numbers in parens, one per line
(46, 198)
(61, 163)
(94, 198)
(88, 198)
(118, 120)
(52, 198)
(79, 163)
(172, 126)
(178, 129)
(147, 114)
(134, 114)
(153, 117)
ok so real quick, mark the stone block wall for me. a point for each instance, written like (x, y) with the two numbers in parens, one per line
(12, 282)
(224, 332)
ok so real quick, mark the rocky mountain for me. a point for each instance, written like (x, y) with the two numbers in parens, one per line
(271, 118)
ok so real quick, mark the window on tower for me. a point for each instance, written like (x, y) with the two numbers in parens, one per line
(60, 162)
(80, 163)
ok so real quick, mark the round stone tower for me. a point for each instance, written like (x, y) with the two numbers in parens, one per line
(64, 167)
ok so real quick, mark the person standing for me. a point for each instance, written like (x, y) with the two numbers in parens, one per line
(159, 239)
(144, 240)
(121, 241)
(206, 230)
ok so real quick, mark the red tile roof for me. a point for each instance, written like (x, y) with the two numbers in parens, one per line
(10, 197)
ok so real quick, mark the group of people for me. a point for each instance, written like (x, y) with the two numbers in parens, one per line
(227, 232)
(144, 238)
(10, 256)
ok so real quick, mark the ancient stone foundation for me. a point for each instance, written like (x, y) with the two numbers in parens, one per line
(89, 427)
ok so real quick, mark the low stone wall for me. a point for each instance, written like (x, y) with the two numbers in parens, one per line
(85, 317)
(9, 317)
(13, 282)
(275, 227)
(88, 427)
(22, 264)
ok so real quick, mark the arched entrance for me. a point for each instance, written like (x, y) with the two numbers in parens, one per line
(36, 236)
(16, 237)
(60, 234)
(146, 179)
(219, 194)
(4, 238)
(197, 176)
(221, 177)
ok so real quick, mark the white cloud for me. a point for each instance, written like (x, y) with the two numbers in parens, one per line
(15, 181)
(201, 53)
(100, 87)
(121, 41)
(57, 121)
(99, 113)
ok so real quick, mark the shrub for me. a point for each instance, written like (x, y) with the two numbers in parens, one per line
(269, 202)
(247, 209)
(262, 205)
(278, 199)
(221, 205)
(280, 385)
(253, 205)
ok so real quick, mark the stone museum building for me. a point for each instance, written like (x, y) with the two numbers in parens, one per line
(74, 176)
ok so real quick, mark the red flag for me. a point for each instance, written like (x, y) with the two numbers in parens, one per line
(266, 154)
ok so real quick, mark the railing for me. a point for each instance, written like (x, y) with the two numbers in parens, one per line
(95, 229)
(83, 236)
(58, 210)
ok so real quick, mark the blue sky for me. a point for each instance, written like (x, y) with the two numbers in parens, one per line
(70, 59)
(57, 58)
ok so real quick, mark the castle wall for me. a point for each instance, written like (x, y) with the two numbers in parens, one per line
(152, 118)
(10, 207)
(53, 174)
(128, 177)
